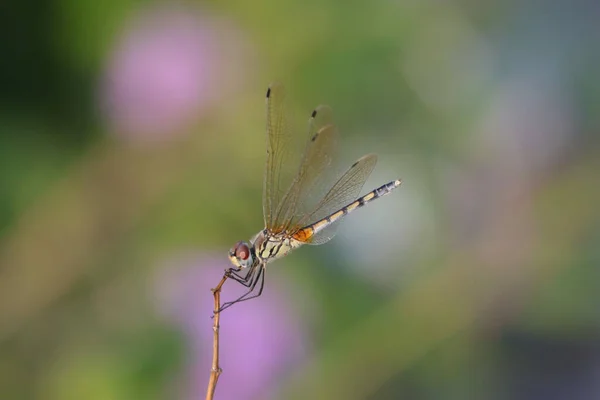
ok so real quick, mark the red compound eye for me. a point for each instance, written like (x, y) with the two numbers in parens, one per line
(242, 252)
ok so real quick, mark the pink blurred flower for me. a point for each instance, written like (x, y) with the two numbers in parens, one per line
(162, 73)
(260, 339)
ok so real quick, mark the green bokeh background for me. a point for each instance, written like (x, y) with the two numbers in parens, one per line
(477, 279)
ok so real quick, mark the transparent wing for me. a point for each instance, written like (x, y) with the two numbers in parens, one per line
(321, 144)
(342, 193)
(326, 234)
(278, 140)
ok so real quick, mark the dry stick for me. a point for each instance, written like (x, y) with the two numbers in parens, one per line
(215, 371)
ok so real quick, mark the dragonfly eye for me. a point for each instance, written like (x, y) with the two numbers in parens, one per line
(242, 252)
(241, 255)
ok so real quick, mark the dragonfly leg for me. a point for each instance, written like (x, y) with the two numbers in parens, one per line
(260, 288)
(244, 280)
(233, 271)
(260, 276)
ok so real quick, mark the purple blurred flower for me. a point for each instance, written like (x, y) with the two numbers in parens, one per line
(260, 339)
(162, 72)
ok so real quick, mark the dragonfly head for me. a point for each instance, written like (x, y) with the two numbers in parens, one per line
(241, 255)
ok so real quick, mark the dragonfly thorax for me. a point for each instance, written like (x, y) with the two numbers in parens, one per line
(269, 246)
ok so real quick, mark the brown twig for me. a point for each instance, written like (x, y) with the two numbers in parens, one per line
(215, 370)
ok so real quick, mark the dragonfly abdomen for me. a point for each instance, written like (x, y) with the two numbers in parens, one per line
(307, 232)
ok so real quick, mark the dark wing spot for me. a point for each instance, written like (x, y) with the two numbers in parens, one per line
(268, 93)
(354, 165)
(315, 136)
(314, 113)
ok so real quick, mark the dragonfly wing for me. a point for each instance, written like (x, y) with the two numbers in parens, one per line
(277, 142)
(326, 234)
(320, 146)
(342, 193)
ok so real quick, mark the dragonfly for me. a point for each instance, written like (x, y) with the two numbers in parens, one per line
(308, 210)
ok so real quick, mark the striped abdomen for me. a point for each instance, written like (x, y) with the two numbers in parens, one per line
(305, 234)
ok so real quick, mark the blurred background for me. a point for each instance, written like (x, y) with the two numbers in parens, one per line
(131, 159)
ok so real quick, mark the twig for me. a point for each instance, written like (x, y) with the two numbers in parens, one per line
(215, 370)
